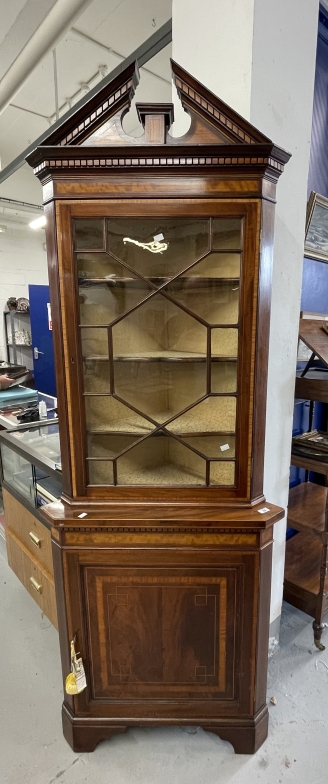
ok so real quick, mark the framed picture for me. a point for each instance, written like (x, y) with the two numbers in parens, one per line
(316, 229)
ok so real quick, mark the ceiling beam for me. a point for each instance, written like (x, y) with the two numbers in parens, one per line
(161, 38)
(110, 50)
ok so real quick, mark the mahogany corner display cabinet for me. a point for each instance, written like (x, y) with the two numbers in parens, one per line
(159, 253)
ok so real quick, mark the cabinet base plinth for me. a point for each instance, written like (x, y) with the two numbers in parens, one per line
(83, 735)
(245, 735)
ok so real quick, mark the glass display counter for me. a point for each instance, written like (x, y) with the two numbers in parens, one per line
(31, 466)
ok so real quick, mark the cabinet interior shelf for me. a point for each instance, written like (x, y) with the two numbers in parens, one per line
(17, 312)
(192, 280)
(154, 356)
(168, 474)
(21, 345)
(131, 427)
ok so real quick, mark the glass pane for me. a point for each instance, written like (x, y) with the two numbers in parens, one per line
(96, 375)
(100, 472)
(226, 233)
(108, 445)
(212, 415)
(224, 342)
(102, 303)
(94, 343)
(222, 473)
(44, 440)
(157, 247)
(224, 377)
(158, 329)
(48, 488)
(18, 473)
(95, 266)
(217, 265)
(212, 446)
(160, 388)
(160, 460)
(106, 413)
(158, 357)
(211, 299)
(89, 233)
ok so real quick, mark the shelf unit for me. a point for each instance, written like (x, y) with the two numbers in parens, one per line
(306, 566)
(12, 316)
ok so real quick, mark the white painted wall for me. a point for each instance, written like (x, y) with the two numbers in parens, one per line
(22, 261)
(259, 57)
(281, 105)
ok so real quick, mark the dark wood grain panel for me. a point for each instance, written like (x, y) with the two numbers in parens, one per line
(163, 635)
(303, 558)
(57, 332)
(318, 466)
(312, 388)
(262, 347)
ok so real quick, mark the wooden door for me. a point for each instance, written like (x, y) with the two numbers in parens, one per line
(164, 624)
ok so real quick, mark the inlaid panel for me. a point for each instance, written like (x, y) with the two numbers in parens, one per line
(167, 634)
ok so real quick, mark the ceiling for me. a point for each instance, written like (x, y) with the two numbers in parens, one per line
(119, 25)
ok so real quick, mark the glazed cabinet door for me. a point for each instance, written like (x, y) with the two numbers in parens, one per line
(160, 321)
(163, 625)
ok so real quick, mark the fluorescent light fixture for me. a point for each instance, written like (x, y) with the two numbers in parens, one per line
(38, 223)
(3, 228)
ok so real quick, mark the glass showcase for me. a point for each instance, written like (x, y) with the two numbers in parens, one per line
(158, 319)
(31, 462)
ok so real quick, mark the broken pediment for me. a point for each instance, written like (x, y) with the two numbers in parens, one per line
(98, 122)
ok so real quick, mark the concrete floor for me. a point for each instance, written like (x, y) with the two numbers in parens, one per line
(33, 751)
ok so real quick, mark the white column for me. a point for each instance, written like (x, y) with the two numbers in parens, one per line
(259, 57)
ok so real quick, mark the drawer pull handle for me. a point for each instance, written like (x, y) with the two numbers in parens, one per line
(35, 539)
(37, 587)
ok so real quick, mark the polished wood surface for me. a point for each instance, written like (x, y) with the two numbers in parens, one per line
(307, 508)
(302, 569)
(312, 387)
(180, 515)
(134, 595)
(167, 588)
(29, 530)
(37, 581)
(261, 336)
(318, 466)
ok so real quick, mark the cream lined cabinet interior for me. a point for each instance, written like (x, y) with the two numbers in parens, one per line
(160, 257)
(158, 327)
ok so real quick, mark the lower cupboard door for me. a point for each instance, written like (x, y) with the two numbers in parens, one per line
(164, 633)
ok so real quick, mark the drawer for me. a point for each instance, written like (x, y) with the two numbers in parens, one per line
(35, 579)
(30, 531)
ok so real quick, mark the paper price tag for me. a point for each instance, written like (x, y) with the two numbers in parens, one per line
(158, 237)
(264, 510)
(80, 678)
(84, 514)
(224, 447)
